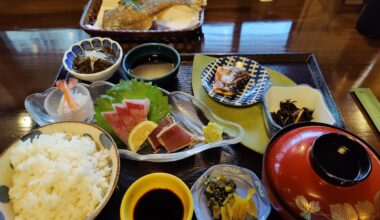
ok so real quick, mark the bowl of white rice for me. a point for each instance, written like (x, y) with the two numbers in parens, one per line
(65, 170)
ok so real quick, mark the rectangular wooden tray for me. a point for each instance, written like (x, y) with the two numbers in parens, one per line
(302, 68)
(90, 14)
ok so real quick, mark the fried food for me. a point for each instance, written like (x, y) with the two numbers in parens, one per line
(130, 18)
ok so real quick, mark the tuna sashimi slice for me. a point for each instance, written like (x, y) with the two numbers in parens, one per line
(174, 137)
(139, 109)
(153, 140)
(126, 116)
(117, 125)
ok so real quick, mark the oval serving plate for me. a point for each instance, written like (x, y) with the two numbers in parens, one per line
(101, 138)
(253, 90)
(192, 114)
(243, 178)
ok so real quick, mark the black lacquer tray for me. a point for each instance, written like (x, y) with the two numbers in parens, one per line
(302, 68)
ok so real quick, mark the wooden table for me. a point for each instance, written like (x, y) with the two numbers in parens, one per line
(35, 34)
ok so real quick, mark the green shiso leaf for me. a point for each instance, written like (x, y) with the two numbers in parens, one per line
(103, 104)
(132, 3)
(133, 89)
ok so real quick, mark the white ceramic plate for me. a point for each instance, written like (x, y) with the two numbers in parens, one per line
(243, 178)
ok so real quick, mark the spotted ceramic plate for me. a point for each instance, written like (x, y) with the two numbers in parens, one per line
(253, 90)
(101, 138)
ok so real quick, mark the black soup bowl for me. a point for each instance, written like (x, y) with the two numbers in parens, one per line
(152, 62)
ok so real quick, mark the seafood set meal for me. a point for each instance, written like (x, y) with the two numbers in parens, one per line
(69, 167)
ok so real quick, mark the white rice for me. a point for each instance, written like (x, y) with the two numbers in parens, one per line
(58, 177)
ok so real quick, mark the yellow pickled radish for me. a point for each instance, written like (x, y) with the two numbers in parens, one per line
(223, 213)
(140, 134)
(252, 209)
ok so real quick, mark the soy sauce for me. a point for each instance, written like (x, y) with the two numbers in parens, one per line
(159, 204)
(152, 66)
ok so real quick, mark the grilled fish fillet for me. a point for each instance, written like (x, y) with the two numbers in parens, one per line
(128, 18)
(229, 80)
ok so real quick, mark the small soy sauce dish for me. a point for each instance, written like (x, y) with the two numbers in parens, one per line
(157, 196)
(152, 62)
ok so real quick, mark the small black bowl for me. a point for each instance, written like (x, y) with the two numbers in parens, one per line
(150, 49)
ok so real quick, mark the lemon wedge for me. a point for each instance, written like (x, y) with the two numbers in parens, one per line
(139, 134)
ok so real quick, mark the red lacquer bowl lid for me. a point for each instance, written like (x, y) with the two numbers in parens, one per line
(318, 171)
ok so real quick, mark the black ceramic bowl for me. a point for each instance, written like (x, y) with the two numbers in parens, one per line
(139, 53)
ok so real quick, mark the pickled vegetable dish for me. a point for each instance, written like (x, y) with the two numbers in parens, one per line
(289, 114)
(217, 190)
(223, 201)
(94, 60)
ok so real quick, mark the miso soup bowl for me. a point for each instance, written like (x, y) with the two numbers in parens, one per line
(147, 49)
(156, 181)
(318, 171)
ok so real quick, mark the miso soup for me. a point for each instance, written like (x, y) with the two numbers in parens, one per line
(152, 66)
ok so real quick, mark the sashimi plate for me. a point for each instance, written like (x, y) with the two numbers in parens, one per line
(192, 115)
(186, 110)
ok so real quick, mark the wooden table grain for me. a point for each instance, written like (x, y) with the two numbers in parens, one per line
(34, 35)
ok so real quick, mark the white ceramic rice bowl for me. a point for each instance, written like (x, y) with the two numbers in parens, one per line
(101, 138)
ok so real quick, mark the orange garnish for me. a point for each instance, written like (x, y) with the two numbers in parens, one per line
(62, 85)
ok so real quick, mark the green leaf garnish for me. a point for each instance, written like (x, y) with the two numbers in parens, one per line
(132, 3)
(133, 89)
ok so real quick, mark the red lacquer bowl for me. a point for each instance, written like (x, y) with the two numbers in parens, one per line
(318, 171)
